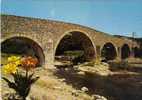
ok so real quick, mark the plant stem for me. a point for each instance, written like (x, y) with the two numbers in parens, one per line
(26, 73)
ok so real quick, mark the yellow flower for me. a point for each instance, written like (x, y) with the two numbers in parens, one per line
(18, 62)
(12, 65)
(9, 68)
(13, 58)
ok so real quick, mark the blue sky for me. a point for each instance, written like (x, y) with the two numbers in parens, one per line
(118, 17)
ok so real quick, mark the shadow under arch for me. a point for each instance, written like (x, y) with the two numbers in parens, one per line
(136, 51)
(23, 46)
(125, 51)
(76, 41)
(108, 52)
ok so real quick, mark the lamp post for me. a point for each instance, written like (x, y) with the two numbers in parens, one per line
(133, 38)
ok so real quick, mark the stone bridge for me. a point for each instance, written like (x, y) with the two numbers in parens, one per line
(49, 38)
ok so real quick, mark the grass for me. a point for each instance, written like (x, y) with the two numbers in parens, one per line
(77, 53)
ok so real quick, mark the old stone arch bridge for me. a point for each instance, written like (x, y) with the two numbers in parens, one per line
(49, 38)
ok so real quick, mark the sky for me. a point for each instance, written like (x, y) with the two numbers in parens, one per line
(116, 17)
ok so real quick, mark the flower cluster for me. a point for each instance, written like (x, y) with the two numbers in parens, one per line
(12, 65)
(29, 62)
(13, 59)
(22, 82)
(26, 63)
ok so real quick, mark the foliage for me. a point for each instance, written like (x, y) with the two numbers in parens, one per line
(77, 53)
(77, 56)
(119, 65)
(93, 63)
(22, 82)
(10, 47)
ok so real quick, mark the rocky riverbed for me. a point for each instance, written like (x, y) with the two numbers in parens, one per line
(85, 82)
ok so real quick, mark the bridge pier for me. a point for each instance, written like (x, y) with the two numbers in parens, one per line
(49, 54)
(119, 51)
(98, 52)
(132, 53)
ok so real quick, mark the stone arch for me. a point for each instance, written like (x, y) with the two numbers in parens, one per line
(27, 42)
(108, 51)
(76, 40)
(125, 51)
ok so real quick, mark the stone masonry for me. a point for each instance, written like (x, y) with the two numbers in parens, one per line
(48, 34)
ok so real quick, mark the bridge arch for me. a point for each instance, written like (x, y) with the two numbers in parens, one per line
(26, 45)
(125, 51)
(108, 51)
(76, 40)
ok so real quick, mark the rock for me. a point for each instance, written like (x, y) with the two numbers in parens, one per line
(98, 97)
(105, 64)
(81, 73)
(28, 98)
(11, 96)
(62, 80)
(58, 88)
(66, 69)
(84, 89)
(75, 67)
(74, 92)
(101, 69)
